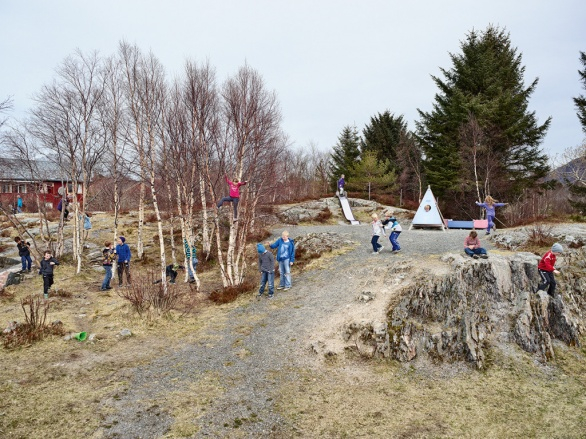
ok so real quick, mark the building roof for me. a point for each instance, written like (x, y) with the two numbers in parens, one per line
(19, 170)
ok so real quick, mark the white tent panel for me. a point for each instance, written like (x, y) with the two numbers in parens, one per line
(428, 213)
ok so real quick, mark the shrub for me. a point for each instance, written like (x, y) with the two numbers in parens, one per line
(258, 235)
(324, 215)
(230, 294)
(35, 328)
(5, 233)
(539, 235)
(147, 296)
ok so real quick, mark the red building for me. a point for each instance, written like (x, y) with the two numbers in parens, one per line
(29, 179)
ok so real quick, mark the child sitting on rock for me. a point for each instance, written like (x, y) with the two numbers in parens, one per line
(472, 246)
(546, 269)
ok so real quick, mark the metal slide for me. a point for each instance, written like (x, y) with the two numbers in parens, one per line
(347, 211)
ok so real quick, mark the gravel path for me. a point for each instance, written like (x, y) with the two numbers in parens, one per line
(262, 346)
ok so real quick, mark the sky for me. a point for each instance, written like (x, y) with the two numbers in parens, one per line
(331, 63)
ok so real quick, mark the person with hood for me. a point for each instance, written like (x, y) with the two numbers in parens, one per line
(19, 204)
(547, 270)
(234, 196)
(266, 266)
(285, 257)
(47, 265)
(123, 253)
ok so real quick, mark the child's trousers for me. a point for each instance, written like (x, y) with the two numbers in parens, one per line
(547, 281)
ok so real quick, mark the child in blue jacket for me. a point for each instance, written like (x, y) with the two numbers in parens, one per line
(285, 257)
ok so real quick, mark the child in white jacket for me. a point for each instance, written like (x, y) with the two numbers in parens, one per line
(391, 223)
(377, 230)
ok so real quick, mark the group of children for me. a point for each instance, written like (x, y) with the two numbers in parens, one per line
(379, 228)
(472, 246)
(266, 264)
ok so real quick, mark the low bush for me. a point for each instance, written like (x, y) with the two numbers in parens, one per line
(324, 215)
(148, 298)
(230, 294)
(540, 235)
(258, 235)
(34, 328)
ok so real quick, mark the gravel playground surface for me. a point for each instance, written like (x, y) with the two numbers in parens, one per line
(231, 379)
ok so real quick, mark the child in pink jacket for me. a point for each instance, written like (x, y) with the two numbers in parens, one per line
(234, 196)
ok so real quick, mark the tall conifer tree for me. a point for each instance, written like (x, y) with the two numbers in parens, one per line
(580, 101)
(485, 84)
(346, 153)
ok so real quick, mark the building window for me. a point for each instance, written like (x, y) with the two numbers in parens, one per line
(21, 188)
(6, 188)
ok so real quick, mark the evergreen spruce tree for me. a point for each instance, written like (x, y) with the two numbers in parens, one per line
(485, 84)
(580, 101)
(346, 153)
(383, 135)
(577, 186)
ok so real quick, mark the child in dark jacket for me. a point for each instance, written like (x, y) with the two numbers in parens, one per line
(266, 266)
(25, 254)
(108, 258)
(46, 271)
(546, 269)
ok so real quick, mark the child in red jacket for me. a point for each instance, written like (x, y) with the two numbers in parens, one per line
(546, 268)
(234, 196)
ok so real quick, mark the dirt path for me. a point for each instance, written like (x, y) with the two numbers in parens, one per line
(230, 381)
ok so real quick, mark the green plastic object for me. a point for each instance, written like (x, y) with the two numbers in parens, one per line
(81, 336)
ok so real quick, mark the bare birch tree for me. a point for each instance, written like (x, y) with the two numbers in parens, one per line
(253, 140)
(65, 121)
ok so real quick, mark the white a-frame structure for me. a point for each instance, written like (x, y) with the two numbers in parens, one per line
(428, 213)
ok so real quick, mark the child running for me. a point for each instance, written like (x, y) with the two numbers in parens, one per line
(377, 230)
(391, 223)
(472, 246)
(234, 196)
(490, 204)
(47, 265)
(546, 269)
(266, 266)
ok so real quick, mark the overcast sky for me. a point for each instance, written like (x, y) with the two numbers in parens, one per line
(332, 63)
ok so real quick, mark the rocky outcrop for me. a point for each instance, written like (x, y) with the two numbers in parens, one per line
(477, 307)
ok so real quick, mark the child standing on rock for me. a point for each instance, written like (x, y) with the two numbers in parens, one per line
(489, 205)
(391, 223)
(266, 266)
(377, 230)
(46, 271)
(546, 269)
(472, 246)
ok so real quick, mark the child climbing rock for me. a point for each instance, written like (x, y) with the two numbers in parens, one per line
(547, 271)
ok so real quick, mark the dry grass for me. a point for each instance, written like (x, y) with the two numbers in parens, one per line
(230, 294)
(514, 399)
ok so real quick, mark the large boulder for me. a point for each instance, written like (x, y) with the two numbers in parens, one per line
(483, 305)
